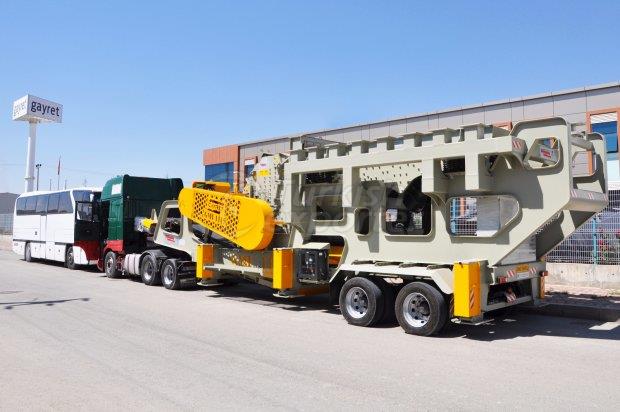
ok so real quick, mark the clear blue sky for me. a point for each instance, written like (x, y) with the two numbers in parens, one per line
(147, 85)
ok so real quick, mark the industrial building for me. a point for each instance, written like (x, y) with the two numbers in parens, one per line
(591, 108)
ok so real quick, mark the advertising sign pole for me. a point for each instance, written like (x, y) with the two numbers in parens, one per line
(32, 145)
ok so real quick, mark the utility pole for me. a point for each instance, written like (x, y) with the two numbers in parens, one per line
(50, 183)
(65, 184)
(38, 166)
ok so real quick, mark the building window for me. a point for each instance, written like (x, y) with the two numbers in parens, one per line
(247, 170)
(220, 172)
(607, 125)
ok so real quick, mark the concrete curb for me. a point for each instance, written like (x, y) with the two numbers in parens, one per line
(574, 311)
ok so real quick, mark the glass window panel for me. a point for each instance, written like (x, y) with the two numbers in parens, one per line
(610, 131)
(31, 205)
(64, 203)
(221, 172)
(52, 205)
(20, 207)
(42, 204)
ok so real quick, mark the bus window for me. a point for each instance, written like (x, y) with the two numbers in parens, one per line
(84, 211)
(20, 206)
(64, 203)
(82, 195)
(31, 205)
(41, 204)
(52, 205)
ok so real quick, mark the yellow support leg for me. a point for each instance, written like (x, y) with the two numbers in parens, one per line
(282, 269)
(467, 289)
(204, 256)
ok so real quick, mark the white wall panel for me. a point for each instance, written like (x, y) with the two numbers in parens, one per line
(537, 108)
(603, 98)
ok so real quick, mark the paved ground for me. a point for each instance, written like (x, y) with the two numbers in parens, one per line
(74, 339)
(586, 296)
(6, 242)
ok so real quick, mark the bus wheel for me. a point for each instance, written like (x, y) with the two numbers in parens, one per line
(361, 302)
(421, 309)
(69, 259)
(148, 271)
(28, 253)
(169, 275)
(109, 264)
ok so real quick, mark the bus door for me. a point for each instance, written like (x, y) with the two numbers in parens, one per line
(88, 229)
(39, 250)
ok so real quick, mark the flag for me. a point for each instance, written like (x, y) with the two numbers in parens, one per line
(58, 173)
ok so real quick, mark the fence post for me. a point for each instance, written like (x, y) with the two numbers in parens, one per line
(594, 241)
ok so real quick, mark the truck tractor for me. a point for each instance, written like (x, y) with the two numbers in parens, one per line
(124, 198)
(449, 225)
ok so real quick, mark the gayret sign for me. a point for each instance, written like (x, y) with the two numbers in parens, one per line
(32, 108)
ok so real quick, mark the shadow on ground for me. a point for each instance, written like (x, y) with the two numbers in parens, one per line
(260, 295)
(511, 325)
(518, 325)
(11, 305)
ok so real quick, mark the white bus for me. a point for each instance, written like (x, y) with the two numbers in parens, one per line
(61, 225)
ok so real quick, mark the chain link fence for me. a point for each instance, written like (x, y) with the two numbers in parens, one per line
(6, 223)
(597, 241)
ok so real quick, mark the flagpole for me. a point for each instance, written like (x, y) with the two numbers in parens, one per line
(58, 173)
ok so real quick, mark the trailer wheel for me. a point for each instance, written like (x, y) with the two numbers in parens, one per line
(109, 264)
(389, 297)
(169, 275)
(421, 309)
(70, 259)
(148, 271)
(28, 253)
(361, 302)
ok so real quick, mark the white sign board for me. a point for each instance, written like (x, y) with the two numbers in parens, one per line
(34, 108)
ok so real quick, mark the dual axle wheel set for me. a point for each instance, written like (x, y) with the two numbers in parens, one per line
(419, 308)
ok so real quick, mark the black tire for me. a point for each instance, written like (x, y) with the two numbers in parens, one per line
(70, 259)
(361, 302)
(389, 298)
(149, 272)
(28, 253)
(421, 309)
(169, 274)
(109, 265)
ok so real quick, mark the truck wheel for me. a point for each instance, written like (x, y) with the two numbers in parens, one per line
(109, 264)
(421, 309)
(28, 253)
(148, 271)
(70, 259)
(169, 275)
(361, 302)
(389, 296)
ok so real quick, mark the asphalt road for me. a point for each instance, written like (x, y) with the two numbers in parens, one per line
(77, 340)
